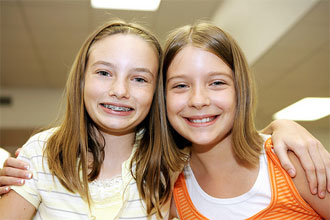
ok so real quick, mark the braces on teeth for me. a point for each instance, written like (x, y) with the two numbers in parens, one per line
(117, 108)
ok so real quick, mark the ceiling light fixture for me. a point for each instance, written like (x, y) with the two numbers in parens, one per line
(139, 5)
(306, 109)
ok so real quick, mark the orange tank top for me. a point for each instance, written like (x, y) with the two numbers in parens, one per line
(286, 203)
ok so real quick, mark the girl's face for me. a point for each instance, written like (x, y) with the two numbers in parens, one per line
(120, 81)
(200, 94)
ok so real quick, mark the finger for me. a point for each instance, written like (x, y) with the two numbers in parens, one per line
(320, 168)
(326, 160)
(17, 152)
(11, 181)
(4, 189)
(282, 154)
(308, 166)
(13, 162)
(13, 172)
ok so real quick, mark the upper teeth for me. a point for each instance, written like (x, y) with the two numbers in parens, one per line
(201, 120)
(117, 108)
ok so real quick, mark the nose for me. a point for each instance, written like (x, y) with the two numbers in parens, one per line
(199, 98)
(119, 88)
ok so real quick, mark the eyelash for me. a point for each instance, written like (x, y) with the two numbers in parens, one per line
(140, 80)
(215, 83)
(103, 73)
(180, 86)
(218, 83)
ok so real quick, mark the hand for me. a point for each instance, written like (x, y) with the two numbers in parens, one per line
(14, 172)
(314, 158)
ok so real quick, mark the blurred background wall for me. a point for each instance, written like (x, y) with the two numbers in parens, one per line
(286, 43)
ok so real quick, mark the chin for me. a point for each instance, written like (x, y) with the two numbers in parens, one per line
(200, 141)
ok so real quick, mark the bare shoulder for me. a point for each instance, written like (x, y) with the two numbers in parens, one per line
(321, 206)
(14, 206)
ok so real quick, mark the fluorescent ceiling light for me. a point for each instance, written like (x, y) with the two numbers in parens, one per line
(139, 5)
(307, 109)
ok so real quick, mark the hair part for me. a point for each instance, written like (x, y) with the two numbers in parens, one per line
(246, 140)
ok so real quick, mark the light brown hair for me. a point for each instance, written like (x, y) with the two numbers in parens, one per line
(68, 147)
(246, 141)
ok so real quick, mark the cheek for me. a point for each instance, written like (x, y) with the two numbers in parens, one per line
(232, 100)
(173, 108)
(95, 88)
(173, 104)
(89, 96)
(89, 87)
(87, 103)
(144, 97)
(226, 101)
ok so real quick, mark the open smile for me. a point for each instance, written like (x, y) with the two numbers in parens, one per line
(201, 121)
(117, 108)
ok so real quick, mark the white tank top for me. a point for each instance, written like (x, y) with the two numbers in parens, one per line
(240, 207)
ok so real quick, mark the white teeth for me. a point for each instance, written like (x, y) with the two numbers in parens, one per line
(117, 108)
(204, 120)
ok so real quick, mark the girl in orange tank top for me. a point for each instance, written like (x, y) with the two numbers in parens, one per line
(210, 105)
(286, 201)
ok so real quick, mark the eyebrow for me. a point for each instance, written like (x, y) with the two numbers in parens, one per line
(137, 69)
(143, 70)
(103, 63)
(175, 77)
(221, 73)
(209, 74)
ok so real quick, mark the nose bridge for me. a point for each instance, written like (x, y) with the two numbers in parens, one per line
(119, 87)
(199, 96)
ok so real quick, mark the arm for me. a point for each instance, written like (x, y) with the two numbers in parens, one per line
(314, 158)
(14, 173)
(13, 206)
(321, 206)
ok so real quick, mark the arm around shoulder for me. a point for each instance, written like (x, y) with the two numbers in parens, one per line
(14, 206)
(321, 206)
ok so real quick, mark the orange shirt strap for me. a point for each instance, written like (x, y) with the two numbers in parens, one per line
(184, 205)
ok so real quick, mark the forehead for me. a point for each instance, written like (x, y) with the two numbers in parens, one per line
(121, 41)
(192, 59)
(125, 50)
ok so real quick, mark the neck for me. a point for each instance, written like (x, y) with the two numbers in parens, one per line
(208, 158)
(118, 146)
(217, 171)
(118, 149)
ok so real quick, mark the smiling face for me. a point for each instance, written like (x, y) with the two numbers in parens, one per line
(200, 94)
(120, 80)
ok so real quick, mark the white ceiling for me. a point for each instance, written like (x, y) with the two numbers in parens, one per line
(39, 38)
(287, 42)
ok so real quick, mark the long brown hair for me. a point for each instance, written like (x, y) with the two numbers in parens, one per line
(247, 142)
(68, 147)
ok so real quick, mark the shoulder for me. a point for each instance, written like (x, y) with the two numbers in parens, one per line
(41, 136)
(321, 206)
(38, 141)
(33, 149)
